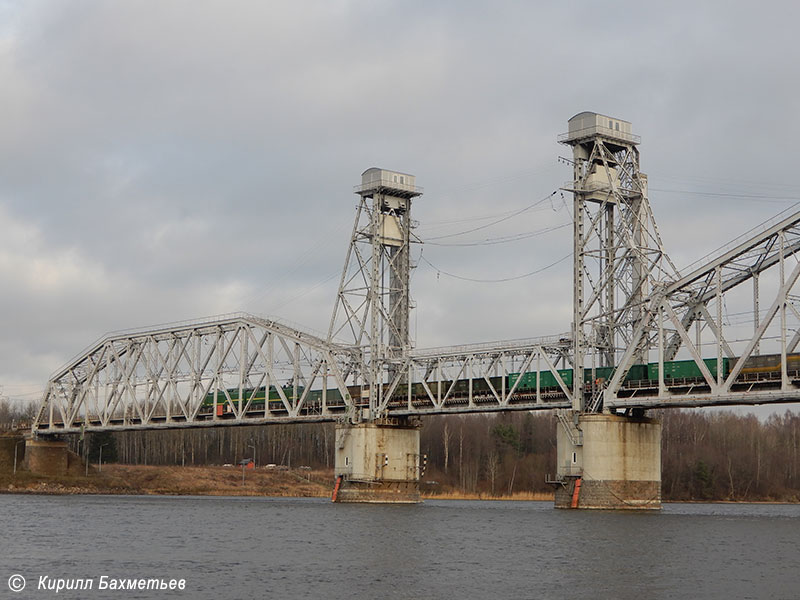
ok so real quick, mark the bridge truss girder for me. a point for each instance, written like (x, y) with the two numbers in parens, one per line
(464, 379)
(203, 373)
(745, 262)
(631, 306)
(698, 300)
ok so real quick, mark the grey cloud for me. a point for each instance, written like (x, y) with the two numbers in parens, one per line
(187, 156)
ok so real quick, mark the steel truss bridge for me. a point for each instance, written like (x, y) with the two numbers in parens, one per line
(633, 312)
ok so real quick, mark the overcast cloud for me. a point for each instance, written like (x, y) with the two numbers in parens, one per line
(170, 160)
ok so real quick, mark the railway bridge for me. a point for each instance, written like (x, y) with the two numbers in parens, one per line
(643, 335)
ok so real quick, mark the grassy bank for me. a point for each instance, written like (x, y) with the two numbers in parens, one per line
(227, 481)
(196, 481)
(211, 481)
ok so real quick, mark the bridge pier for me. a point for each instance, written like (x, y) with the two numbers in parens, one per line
(609, 462)
(48, 457)
(378, 462)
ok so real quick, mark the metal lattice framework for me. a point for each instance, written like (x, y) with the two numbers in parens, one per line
(618, 253)
(631, 307)
(373, 304)
(479, 378)
(212, 372)
(699, 300)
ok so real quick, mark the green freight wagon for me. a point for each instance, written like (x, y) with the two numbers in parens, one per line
(635, 373)
(548, 379)
(687, 369)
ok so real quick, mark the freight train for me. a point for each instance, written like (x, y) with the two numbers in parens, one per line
(680, 373)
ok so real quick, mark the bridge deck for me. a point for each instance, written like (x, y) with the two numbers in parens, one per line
(749, 389)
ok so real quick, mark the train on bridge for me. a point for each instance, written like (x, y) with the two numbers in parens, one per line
(763, 371)
(529, 390)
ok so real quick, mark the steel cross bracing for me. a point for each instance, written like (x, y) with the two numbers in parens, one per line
(373, 304)
(204, 373)
(699, 301)
(209, 373)
(631, 306)
(618, 253)
(479, 378)
(745, 261)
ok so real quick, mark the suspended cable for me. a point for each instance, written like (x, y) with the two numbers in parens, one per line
(438, 270)
(506, 218)
(502, 239)
(738, 183)
(440, 223)
(427, 227)
(760, 197)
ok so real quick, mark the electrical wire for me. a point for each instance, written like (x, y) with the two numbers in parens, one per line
(719, 181)
(502, 239)
(506, 218)
(757, 197)
(503, 280)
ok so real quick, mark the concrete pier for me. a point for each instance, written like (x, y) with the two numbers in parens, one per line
(610, 462)
(378, 462)
(45, 457)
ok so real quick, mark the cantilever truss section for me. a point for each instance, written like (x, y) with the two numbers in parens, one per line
(231, 370)
(710, 318)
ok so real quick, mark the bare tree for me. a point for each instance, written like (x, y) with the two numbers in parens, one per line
(446, 441)
(492, 467)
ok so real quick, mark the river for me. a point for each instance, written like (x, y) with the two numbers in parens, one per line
(224, 548)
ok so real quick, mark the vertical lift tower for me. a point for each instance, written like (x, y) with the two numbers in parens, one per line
(608, 460)
(377, 458)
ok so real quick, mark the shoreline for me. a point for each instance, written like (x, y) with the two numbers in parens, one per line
(69, 491)
(220, 481)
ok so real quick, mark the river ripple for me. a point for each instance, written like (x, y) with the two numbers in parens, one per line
(309, 548)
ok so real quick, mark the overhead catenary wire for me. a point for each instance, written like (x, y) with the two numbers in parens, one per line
(495, 222)
(502, 280)
(500, 240)
(441, 224)
(757, 197)
(719, 182)
(496, 240)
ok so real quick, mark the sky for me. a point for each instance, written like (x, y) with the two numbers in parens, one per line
(171, 160)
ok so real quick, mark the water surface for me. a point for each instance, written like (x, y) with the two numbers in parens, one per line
(310, 548)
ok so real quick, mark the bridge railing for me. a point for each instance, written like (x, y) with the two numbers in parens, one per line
(563, 339)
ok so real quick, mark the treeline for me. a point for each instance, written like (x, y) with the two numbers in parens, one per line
(291, 445)
(12, 414)
(492, 454)
(706, 455)
(726, 456)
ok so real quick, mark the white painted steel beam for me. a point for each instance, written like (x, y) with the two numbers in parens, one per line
(199, 374)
